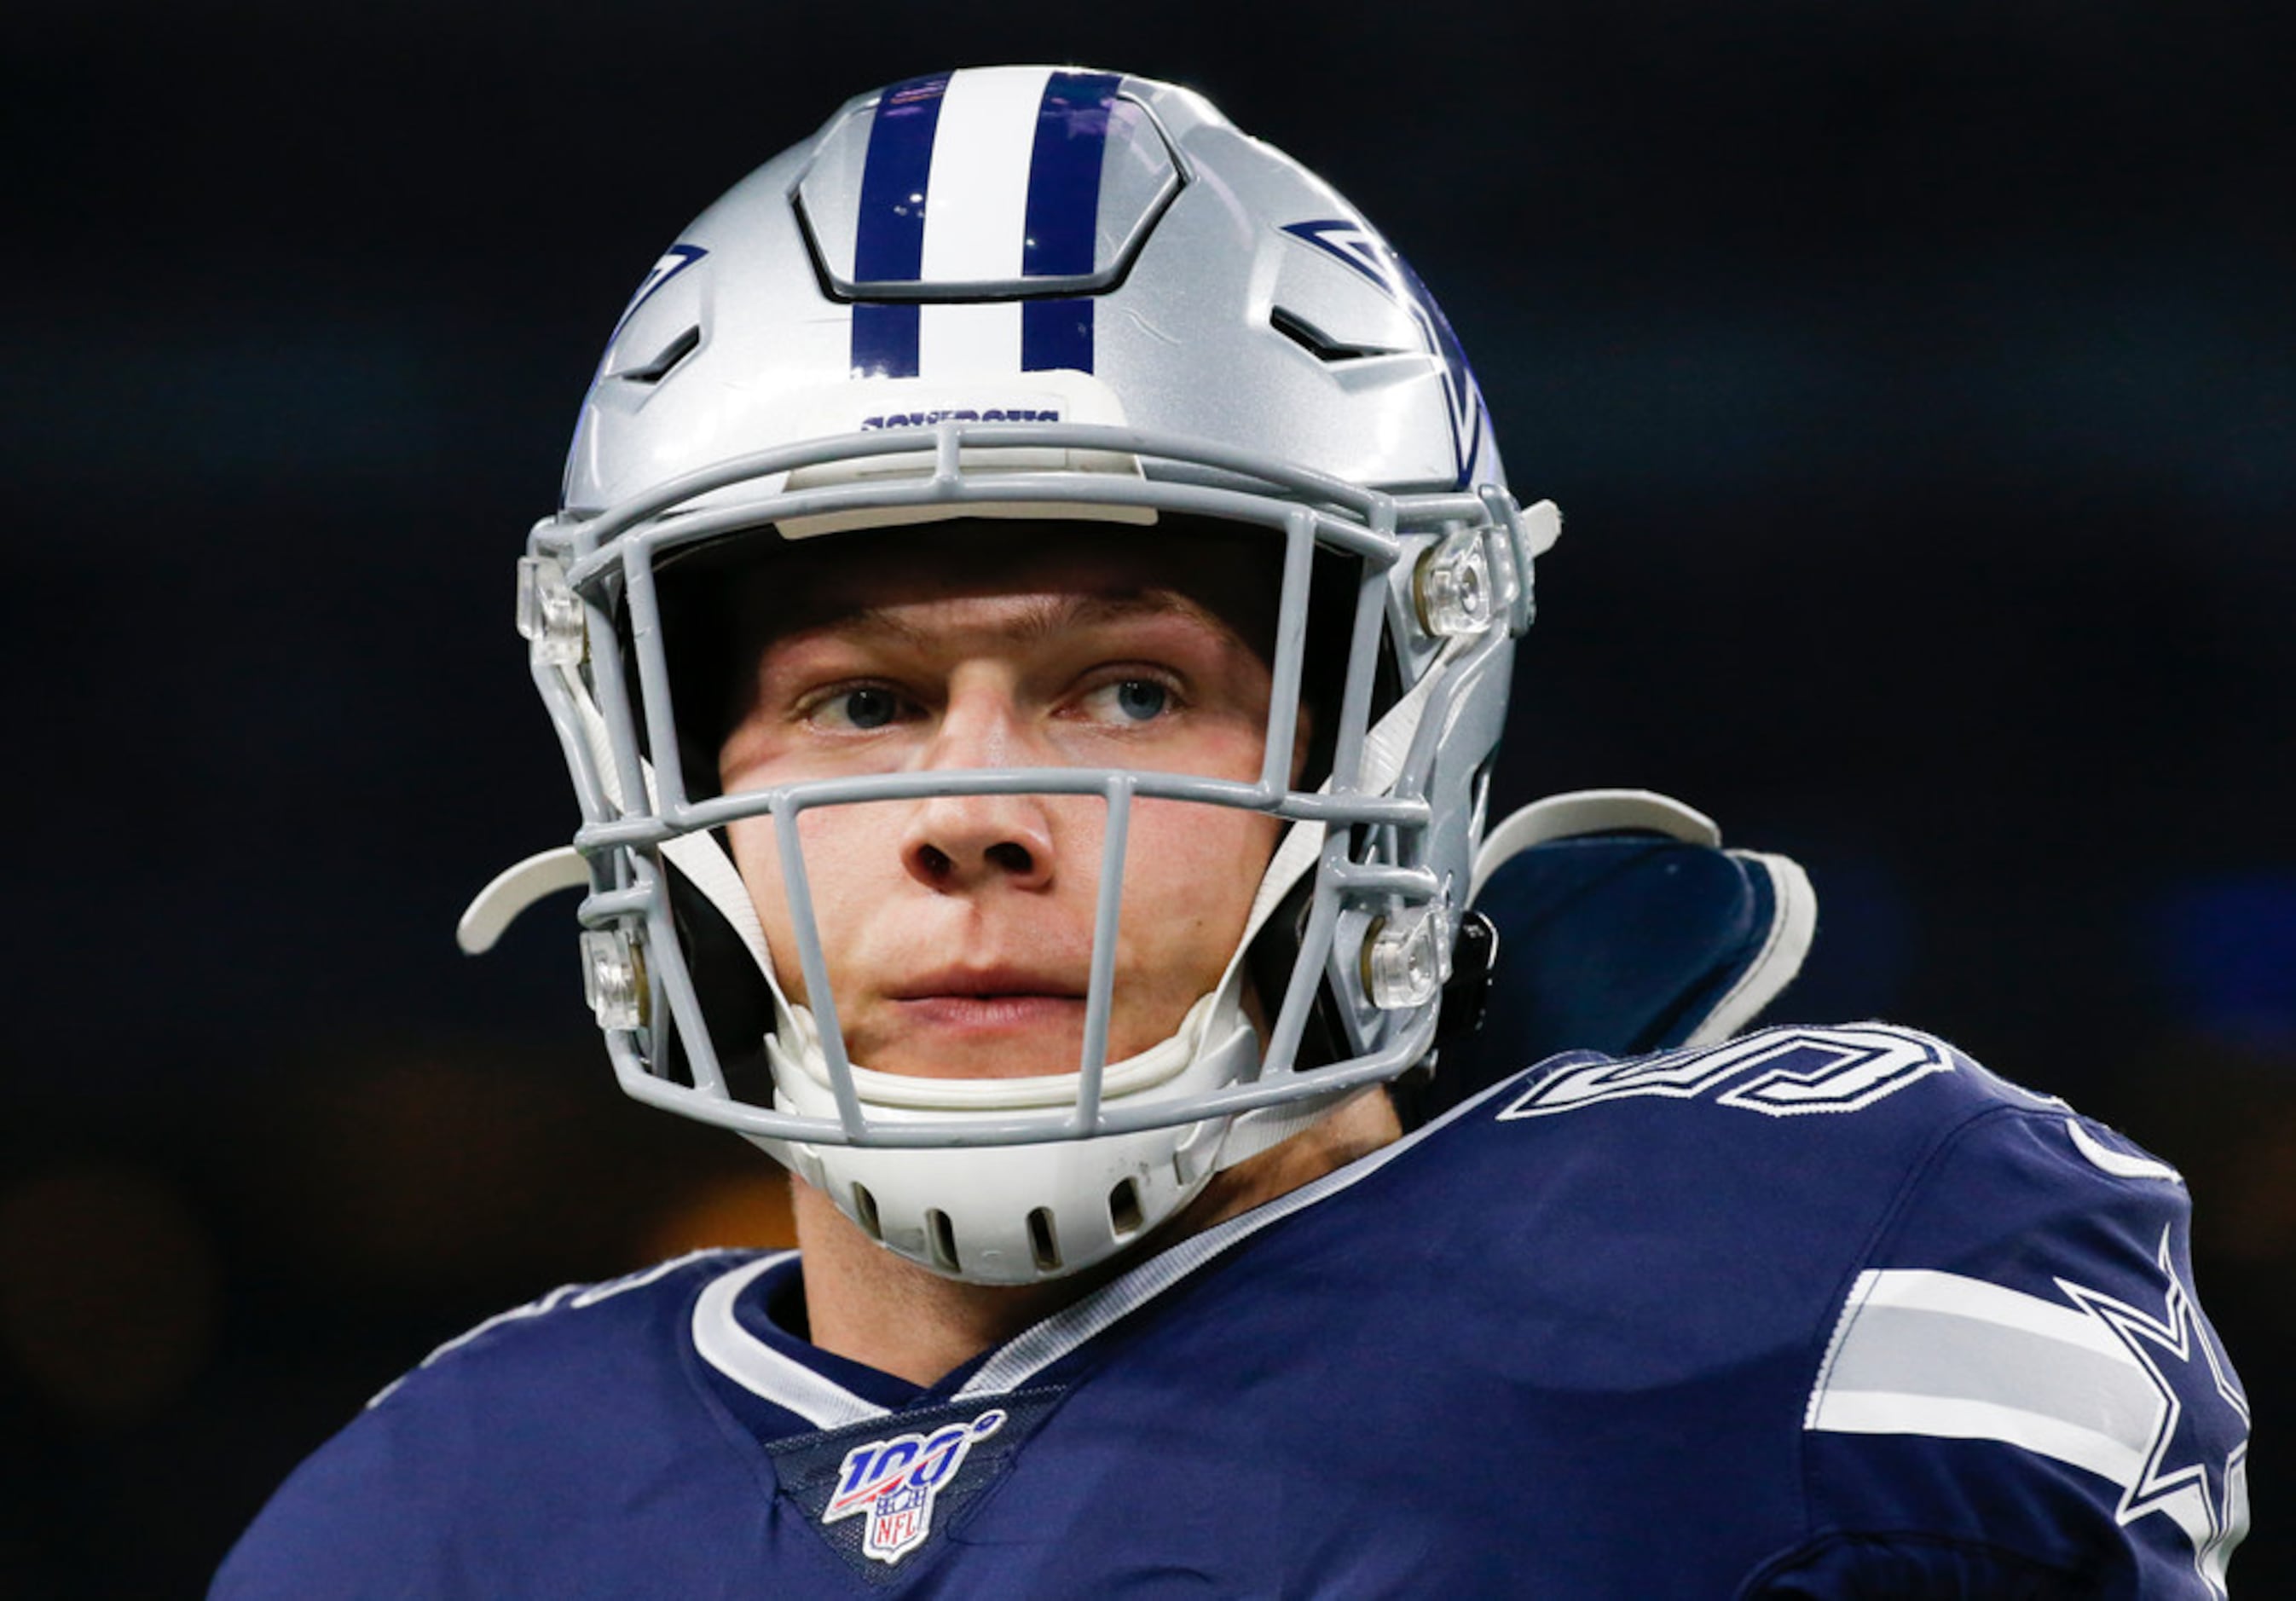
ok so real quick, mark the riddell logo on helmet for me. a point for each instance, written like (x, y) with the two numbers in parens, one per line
(956, 414)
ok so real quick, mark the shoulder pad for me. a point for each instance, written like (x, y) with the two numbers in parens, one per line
(1624, 928)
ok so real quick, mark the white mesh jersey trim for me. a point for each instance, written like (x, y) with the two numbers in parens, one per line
(721, 1340)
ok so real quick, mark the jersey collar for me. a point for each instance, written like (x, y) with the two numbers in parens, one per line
(736, 1335)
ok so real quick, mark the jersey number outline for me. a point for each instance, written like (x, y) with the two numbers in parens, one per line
(1778, 1073)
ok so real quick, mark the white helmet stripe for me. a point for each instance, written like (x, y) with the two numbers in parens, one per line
(956, 341)
(976, 192)
(976, 217)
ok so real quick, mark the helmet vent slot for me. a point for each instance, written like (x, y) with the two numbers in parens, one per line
(1317, 343)
(1124, 1208)
(666, 358)
(1042, 1243)
(940, 1238)
(865, 1212)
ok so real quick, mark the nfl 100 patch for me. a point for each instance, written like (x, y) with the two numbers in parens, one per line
(879, 1492)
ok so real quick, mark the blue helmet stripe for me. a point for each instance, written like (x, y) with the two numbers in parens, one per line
(1063, 215)
(1064, 173)
(890, 234)
(885, 339)
(1056, 334)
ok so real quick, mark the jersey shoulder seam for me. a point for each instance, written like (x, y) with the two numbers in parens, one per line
(565, 1298)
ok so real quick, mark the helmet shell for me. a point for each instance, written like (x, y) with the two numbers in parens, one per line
(1228, 294)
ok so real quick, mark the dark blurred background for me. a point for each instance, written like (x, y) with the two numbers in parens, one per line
(1919, 379)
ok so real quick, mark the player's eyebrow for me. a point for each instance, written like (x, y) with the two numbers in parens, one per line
(1045, 617)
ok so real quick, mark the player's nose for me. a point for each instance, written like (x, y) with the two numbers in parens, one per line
(958, 841)
(965, 842)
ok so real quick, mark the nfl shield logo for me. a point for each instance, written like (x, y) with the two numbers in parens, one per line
(892, 1483)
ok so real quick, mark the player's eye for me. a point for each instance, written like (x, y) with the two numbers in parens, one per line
(864, 706)
(1130, 700)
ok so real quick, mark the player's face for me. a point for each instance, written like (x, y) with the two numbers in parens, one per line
(957, 932)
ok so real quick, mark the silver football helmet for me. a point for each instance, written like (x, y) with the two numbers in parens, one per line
(1023, 293)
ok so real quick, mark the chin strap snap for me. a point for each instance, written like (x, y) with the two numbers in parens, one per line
(1467, 994)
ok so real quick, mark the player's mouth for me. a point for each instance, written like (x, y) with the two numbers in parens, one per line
(989, 1000)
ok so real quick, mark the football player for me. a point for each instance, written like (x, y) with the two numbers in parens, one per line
(1030, 619)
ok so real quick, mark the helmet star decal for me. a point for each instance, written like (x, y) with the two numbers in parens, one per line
(1378, 261)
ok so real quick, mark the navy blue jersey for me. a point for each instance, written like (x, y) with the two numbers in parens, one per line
(1815, 1312)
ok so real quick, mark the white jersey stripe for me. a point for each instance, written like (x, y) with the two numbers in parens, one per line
(721, 1341)
(1938, 1354)
(1953, 1296)
(1898, 1351)
(1944, 1418)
